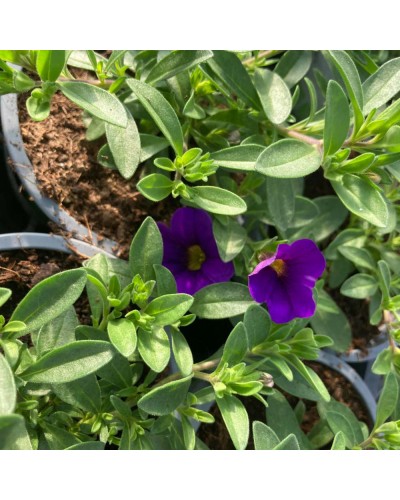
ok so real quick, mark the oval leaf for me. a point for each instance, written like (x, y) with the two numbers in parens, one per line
(382, 85)
(122, 333)
(236, 420)
(165, 399)
(275, 96)
(8, 391)
(221, 300)
(217, 200)
(70, 362)
(146, 250)
(361, 198)
(337, 118)
(176, 62)
(359, 286)
(124, 144)
(50, 298)
(241, 157)
(161, 111)
(155, 187)
(288, 158)
(168, 309)
(50, 63)
(97, 102)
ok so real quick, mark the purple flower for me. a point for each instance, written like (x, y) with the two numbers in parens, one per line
(285, 281)
(190, 251)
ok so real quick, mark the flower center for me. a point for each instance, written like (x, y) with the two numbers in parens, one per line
(196, 257)
(279, 266)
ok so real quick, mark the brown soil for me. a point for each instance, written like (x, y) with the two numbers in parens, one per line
(67, 171)
(216, 437)
(21, 270)
(363, 333)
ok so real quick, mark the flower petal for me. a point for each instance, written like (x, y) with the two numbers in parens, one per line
(216, 270)
(302, 257)
(174, 250)
(191, 281)
(192, 226)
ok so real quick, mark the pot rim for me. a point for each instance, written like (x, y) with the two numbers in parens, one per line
(45, 241)
(342, 367)
(23, 168)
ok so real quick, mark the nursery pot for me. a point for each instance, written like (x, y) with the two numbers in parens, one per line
(43, 241)
(23, 169)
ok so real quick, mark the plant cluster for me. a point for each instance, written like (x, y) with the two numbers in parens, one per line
(234, 137)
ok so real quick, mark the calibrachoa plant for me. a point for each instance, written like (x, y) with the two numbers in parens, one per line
(234, 137)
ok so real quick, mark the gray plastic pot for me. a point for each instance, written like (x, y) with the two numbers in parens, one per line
(23, 169)
(43, 241)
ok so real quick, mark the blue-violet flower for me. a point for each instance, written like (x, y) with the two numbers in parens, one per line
(190, 251)
(285, 280)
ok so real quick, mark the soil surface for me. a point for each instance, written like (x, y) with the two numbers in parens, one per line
(66, 167)
(216, 437)
(364, 335)
(22, 269)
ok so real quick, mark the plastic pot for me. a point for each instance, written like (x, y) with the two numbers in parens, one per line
(43, 241)
(22, 168)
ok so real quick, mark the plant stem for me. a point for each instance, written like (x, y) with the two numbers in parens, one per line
(260, 55)
(197, 368)
(301, 137)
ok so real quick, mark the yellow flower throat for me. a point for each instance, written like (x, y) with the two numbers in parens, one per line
(279, 266)
(195, 257)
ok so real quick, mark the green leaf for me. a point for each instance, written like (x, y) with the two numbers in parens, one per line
(258, 324)
(154, 348)
(235, 347)
(283, 421)
(13, 433)
(5, 294)
(168, 309)
(50, 298)
(383, 362)
(330, 320)
(294, 65)
(360, 257)
(230, 238)
(165, 280)
(337, 118)
(88, 445)
(339, 443)
(182, 353)
(289, 443)
(331, 216)
(217, 200)
(166, 398)
(359, 286)
(348, 71)
(382, 85)
(305, 211)
(96, 101)
(8, 391)
(384, 279)
(70, 362)
(38, 107)
(50, 63)
(151, 145)
(264, 437)
(236, 420)
(83, 393)
(122, 334)
(155, 187)
(189, 434)
(124, 143)
(280, 194)
(222, 300)
(351, 236)
(387, 400)
(288, 158)
(161, 111)
(242, 157)
(58, 332)
(146, 250)
(118, 372)
(176, 62)
(341, 419)
(226, 67)
(274, 94)
(57, 438)
(361, 198)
